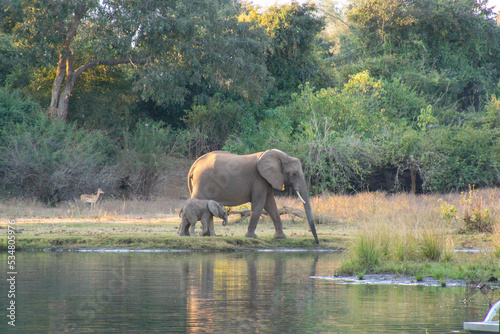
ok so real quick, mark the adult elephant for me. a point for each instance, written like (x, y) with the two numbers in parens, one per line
(237, 179)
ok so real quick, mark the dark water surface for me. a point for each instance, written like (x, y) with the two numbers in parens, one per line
(192, 292)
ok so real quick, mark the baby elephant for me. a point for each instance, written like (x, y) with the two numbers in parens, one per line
(204, 210)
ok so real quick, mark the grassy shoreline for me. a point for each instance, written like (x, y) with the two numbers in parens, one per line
(142, 234)
(380, 233)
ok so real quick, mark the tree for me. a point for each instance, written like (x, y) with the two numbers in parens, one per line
(167, 45)
(293, 30)
(9, 17)
(449, 50)
(382, 21)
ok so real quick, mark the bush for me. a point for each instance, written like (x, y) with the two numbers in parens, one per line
(343, 164)
(211, 124)
(458, 156)
(142, 161)
(14, 110)
(335, 131)
(53, 161)
(476, 217)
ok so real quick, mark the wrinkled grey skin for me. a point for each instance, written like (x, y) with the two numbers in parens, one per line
(202, 210)
(237, 179)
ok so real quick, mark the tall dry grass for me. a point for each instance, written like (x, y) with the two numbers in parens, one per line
(160, 207)
(398, 221)
(404, 227)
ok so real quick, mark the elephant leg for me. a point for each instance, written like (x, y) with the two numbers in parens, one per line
(184, 227)
(192, 228)
(211, 229)
(272, 210)
(257, 207)
(208, 227)
(204, 228)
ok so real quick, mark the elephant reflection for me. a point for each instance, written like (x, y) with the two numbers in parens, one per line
(241, 293)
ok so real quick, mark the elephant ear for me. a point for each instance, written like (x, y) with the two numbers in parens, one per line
(270, 167)
(213, 207)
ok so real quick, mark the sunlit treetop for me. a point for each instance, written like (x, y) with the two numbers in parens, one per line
(168, 44)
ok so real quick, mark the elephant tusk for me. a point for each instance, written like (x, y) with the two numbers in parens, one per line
(298, 193)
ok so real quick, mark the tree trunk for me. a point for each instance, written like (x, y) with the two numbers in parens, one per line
(65, 57)
(66, 76)
(56, 87)
(60, 100)
(63, 107)
(413, 175)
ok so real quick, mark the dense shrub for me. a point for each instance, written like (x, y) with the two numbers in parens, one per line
(342, 165)
(461, 156)
(142, 161)
(54, 161)
(14, 110)
(362, 138)
(212, 123)
(477, 218)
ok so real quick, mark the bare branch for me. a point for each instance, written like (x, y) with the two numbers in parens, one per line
(335, 17)
(112, 62)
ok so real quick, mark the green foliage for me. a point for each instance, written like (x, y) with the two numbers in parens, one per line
(14, 110)
(213, 123)
(333, 131)
(342, 165)
(492, 117)
(53, 161)
(445, 49)
(169, 47)
(151, 139)
(459, 156)
(143, 160)
(8, 54)
(406, 98)
(356, 108)
(103, 99)
(381, 23)
(402, 103)
(292, 60)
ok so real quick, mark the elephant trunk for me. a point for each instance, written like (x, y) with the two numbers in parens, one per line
(307, 208)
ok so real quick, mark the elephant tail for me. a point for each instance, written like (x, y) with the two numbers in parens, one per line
(180, 211)
(190, 180)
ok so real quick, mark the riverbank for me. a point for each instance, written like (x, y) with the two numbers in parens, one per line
(152, 224)
(156, 233)
(161, 233)
(380, 233)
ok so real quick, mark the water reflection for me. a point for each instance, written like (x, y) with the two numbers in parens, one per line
(248, 292)
(221, 292)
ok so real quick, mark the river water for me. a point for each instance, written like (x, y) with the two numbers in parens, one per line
(196, 292)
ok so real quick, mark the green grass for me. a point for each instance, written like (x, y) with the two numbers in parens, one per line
(157, 234)
(431, 244)
(65, 242)
(469, 267)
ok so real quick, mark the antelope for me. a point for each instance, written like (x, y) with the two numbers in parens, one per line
(92, 199)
